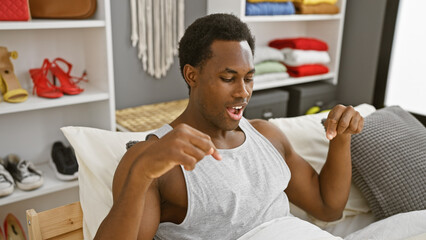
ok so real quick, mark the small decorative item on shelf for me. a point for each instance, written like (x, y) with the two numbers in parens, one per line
(62, 9)
(63, 162)
(13, 229)
(26, 176)
(14, 10)
(67, 83)
(9, 83)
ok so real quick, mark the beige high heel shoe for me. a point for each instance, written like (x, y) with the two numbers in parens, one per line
(9, 84)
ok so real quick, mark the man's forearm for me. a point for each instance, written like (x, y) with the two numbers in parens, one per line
(335, 176)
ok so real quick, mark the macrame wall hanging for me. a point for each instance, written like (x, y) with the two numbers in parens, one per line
(157, 26)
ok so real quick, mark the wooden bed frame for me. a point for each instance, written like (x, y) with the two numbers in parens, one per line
(64, 222)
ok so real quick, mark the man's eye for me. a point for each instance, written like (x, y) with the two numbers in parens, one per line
(226, 79)
(248, 79)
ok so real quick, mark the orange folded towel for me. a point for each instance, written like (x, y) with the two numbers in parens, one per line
(321, 8)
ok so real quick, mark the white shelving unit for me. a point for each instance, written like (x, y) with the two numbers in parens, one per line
(29, 129)
(328, 28)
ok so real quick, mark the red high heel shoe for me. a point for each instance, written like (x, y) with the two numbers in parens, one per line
(68, 85)
(42, 85)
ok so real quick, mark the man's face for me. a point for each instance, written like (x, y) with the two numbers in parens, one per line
(225, 83)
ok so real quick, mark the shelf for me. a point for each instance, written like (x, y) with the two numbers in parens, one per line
(34, 103)
(51, 184)
(293, 17)
(50, 24)
(290, 81)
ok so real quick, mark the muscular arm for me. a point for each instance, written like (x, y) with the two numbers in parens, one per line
(136, 212)
(323, 195)
(136, 208)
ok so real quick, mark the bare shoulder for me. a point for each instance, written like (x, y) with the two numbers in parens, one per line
(272, 133)
(263, 126)
(267, 129)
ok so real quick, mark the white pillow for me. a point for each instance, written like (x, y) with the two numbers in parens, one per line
(98, 153)
(307, 136)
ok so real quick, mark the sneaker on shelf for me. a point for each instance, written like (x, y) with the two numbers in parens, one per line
(25, 175)
(63, 162)
(13, 229)
(6, 180)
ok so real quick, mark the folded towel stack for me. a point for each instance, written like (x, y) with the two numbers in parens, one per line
(303, 56)
(269, 7)
(268, 63)
(316, 6)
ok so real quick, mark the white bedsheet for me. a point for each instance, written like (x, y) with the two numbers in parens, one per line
(350, 224)
(407, 226)
(404, 226)
(288, 228)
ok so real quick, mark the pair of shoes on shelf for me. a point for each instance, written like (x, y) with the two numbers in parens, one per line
(64, 162)
(26, 176)
(67, 83)
(12, 229)
(9, 84)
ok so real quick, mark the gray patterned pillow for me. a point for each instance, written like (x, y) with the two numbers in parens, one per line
(389, 162)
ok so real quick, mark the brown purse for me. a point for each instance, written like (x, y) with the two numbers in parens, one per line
(65, 9)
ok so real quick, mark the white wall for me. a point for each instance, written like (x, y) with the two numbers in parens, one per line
(406, 84)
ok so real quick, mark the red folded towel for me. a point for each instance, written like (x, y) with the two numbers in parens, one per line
(299, 43)
(307, 70)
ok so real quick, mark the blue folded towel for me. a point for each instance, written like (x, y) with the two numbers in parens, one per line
(270, 8)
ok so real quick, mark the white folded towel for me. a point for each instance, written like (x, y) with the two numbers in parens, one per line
(267, 54)
(297, 57)
(271, 77)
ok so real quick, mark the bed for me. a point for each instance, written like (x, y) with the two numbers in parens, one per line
(366, 216)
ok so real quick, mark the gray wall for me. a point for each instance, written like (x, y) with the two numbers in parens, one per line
(360, 50)
(359, 55)
(133, 86)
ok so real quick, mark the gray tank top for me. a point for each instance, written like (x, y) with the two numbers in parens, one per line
(230, 197)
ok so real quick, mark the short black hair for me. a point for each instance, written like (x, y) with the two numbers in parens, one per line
(195, 45)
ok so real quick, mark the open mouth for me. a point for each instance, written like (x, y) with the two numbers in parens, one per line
(236, 112)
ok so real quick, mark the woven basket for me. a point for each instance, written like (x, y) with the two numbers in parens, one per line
(148, 117)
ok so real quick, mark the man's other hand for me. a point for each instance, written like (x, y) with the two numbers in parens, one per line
(343, 120)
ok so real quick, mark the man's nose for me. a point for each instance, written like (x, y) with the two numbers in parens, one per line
(242, 89)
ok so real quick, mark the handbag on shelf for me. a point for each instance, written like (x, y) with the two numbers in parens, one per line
(14, 10)
(62, 9)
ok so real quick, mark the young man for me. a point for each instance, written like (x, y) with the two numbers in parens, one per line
(212, 174)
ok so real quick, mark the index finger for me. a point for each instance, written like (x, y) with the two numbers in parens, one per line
(215, 153)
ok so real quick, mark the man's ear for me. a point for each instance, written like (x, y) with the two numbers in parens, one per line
(190, 74)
